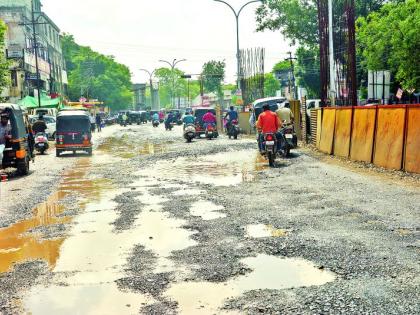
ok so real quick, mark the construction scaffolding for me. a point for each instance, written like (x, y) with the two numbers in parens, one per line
(252, 74)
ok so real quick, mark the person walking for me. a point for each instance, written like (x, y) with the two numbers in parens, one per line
(98, 121)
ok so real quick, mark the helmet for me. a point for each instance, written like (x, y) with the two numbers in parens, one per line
(266, 107)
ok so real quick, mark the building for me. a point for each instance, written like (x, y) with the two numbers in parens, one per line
(20, 50)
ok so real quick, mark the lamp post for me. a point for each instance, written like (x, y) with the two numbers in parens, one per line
(173, 65)
(152, 94)
(238, 57)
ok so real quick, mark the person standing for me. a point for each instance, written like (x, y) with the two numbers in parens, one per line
(92, 123)
(98, 122)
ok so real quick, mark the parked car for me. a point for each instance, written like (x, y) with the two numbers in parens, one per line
(312, 104)
(51, 124)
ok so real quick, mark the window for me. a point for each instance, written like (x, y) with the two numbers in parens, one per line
(13, 77)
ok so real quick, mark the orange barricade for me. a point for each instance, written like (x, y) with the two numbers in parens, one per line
(318, 127)
(412, 143)
(342, 134)
(327, 130)
(363, 134)
(389, 138)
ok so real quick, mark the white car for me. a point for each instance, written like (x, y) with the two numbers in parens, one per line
(51, 124)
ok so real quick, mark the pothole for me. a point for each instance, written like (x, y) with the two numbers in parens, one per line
(262, 230)
(269, 273)
(221, 169)
(206, 210)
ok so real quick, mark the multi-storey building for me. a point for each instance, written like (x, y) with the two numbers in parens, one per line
(20, 50)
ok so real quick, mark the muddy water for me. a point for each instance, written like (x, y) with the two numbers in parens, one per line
(222, 169)
(272, 273)
(127, 148)
(207, 210)
(262, 230)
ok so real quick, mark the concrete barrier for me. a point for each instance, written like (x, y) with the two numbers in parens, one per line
(342, 132)
(327, 130)
(389, 137)
(412, 140)
(363, 132)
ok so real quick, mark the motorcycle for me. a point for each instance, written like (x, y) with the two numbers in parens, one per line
(41, 142)
(123, 123)
(156, 123)
(289, 140)
(169, 125)
(189, 132)
(233, 129)
(270, 147)
(211, 131)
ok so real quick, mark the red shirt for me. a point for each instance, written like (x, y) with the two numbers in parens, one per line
(269, 122)
(209, 118)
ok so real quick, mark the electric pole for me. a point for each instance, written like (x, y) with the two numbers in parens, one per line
(35, 44)
(292, 86)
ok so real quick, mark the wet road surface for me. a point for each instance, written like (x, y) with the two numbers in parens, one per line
(153, 225)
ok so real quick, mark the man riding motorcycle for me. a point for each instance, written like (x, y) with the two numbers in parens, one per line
(209, 118)
(39, 126)
(231, 115)
(188, 119)
(268, 122)
(169, 120)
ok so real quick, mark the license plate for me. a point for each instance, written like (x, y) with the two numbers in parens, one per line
(289, 136)
(210, 133)
(269, 142)
(41, 144)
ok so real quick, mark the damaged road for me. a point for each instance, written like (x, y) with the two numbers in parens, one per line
(153, 225)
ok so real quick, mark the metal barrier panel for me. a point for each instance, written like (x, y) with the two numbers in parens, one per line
(342, 132)
(363, 134)
(327, 130)
(412, 143)
(244, 122)
(389, 138)
(318, 123)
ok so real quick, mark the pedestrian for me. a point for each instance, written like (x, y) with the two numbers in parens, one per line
(92, 122)
(98, 122)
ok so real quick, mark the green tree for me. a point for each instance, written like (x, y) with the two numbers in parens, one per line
(214, 74)
(307, 70)
(390, 39)
(271, 85)
(96, 76)
(4, 64)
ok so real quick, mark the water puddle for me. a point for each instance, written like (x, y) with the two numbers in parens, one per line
(262, 230)
(222, 169)
(87, 299)
(269, 272)
(207, 210)
(126, 148)
(27, 239)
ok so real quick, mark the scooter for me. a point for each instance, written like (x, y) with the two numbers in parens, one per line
(211, 131)
(289, 140)
(155, 123)
(41, 142)
(233, 130)
(189, 132)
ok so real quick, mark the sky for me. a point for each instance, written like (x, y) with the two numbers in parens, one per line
(139, 33)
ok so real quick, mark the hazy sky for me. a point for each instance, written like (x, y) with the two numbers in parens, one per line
(140, 32)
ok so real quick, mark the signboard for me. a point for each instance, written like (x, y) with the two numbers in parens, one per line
(14, 53)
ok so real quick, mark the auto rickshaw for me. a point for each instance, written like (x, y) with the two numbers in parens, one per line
(17, 152)
(143, 117)
(73, 132)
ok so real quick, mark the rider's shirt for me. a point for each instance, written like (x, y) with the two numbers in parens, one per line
(189, 119)
(233, 115)
(268, 122)
(156, 117)
(209, 118)
(285, 114)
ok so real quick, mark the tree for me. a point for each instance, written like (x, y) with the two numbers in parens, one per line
(214, 74)
(4, 64)
(96, 76)
(271, 85)
(390, 39)
(307, 70)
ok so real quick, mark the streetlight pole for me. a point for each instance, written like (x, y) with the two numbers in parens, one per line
(173, 65)
(238, 57)
(152, 96)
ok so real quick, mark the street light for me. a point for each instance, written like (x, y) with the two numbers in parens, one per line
(237, 14)
(151, 86)
(173, 65)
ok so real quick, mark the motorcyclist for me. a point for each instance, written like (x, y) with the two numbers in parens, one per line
(268, 122)
(39, 126)
(231, 115)
(124, 118)
(209, 118)
(285, 115)
(5, 129)
(169, 120)
(188, 119)
(155, 117)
